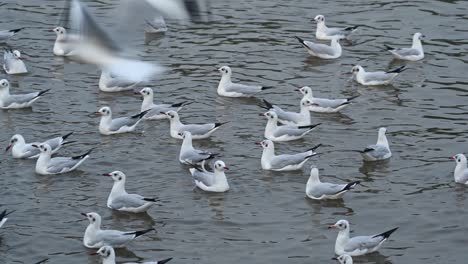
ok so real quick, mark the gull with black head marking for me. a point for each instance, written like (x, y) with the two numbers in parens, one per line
(292, 118)
(215, 181)
(359, 245)
(107, 254)
(323, 51)
(198, 131)
(229, 89)
(317, 190)
(324, 105)
(22, 150)
(284, 133)
(284, 162)
(120, 200)
(414, 53)
(156, 109)
(325, 33)
(461, 171)
(378, 151)
(190, 155)
(46, 165)
(109, 126)
(17, 101)
(95, 237)
(375, 78)
(12, 62)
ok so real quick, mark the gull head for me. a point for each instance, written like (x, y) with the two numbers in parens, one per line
(306, 90)
(4, 83)
(356, 69)
(92, 217)
(59, 31)
(104, 111)
(341, 225)
(106, 252)
(270, 115)
(15, 139)
(171, 114)
(418, 36)
(266, 143)
(220, 166)
(17, 54)
(319, 18)
(459, 158)
(145, 92)
(185, 134)
(344, 259)
(308, 102)
(117, 176)
(225, 70)
(382, 131)
(43, 148)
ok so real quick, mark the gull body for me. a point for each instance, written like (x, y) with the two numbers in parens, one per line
(324, 105)
(109, 126)
(45, 164)
(460, 173)
(64, 42)
(284, 133)
(375, 78)
(12, 62)
(112, 83)
(378, 151)
(414, 53)
(22, 150)
(229, 89)
(211, 181)
(190, 155)
(284, 162)
(325, 33)
(317, 190)
(107, 254)
(292, 118)
(198, 131)
(344, 259)
(16, 101)
(321, 50)
(156, 109)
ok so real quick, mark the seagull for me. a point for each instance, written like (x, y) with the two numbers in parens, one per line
(7, 34)
(325, 33)
(189, 154)
(414, 53)
(12, 63)
(379, 151)
(112, 83)
(46, 165)
(109, 126)
(321, 50)
(375, 78)
(3, 217)
(197, 131)
(95, 237)
(461, 171)
(156, 109)
(158, 25)
(323, 105)
(63, 43)
(16, 101)
(359, 245)
(230, 89)
(344, 259)
(211, 181)
(120, 200)
(317, 190)
(284, 162)
(22, 150)
(108, 257)
(292, 118)
(284, 133)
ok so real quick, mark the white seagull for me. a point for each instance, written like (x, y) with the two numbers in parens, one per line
(107, 254)
(63, 45)
(292, 118)
(284, 162)
(317, 190)
(198, 131)
(7, 34)
(3, 217)
(190, 155)
(211, 181)
(461, 171)
(45, 164)
(229, 89)
(323, 105)
(375, 78)
(344, 259)
(284, 133)
(16, 101)
(95, 237)
(109, 82)
(22, 150)
(12, 63)
(379, 151)
(325, 33)
(120, 200)
(322, 51)
(109, 126)
(156, 109)
(359, 245)
(414, 53)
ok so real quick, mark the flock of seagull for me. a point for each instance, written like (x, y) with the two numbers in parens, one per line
(282, 125)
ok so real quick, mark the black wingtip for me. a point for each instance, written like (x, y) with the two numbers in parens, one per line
(142, 232)
(266, 87)
(386, 234)
(310, 126)
(387, 47)
(151, 199)
(141, 115)
(220, 124)
(398, 70)
(42, 92)
(268, 104)
(162, 261)
(351, 185)
(352, 97)
(67, 135)
(83, 155)
(16, 30)
(300, 40)
(181, 104)
(351, 28)
(196, 166)
(315, 147)
(69, 142)
(42, 261)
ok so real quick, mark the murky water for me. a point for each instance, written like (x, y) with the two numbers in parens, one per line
(264, 218)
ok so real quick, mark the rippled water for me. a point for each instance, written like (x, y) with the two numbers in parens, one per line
(264, 218)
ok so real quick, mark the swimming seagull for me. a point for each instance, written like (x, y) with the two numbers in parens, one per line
(325, 33)
(95, 237)
(156, 109)
(22, 150)
(375, 78)
(109, 82)
(63, 45)
(211, 181)
(414, 53)
(379, 151)
(344, 259)
(317, 190)
(120, 200)
(107, 254)
(284, 133)
(109, 126)
(359, 245)
(45, 164)
(198, 131)
(322, 51)
(323, 105)
(292, 118)
(284, 162)
(3, 217)
(229, 89)
(190, 155)
(7, 34)
(16, 101)
(461, 171)
(12, 63)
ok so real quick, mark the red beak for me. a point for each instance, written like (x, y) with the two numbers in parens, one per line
(226, 168)
(93, 254)
(35, 146)
(331, 226)
(106, 174)
(258, 143)
(8, 148)
(452, 158)
(164, 113)
(261, 114)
